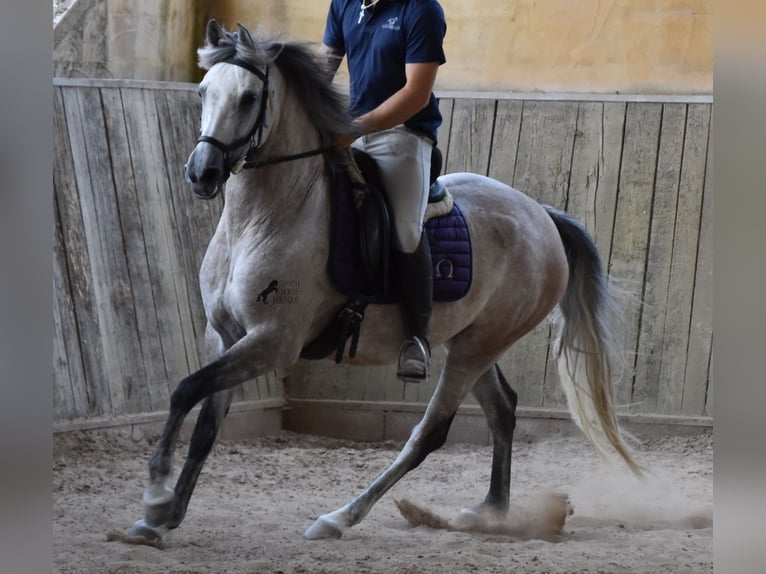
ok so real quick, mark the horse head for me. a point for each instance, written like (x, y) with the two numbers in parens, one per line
(239, 105)
(244, 92)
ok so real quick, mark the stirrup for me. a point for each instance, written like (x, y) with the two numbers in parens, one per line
(414, 358)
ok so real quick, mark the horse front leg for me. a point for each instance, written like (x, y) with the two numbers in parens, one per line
(164, 507)
(214, 410)
(168, 510)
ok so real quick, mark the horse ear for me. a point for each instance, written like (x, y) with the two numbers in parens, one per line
(214, 32)
(244, 35)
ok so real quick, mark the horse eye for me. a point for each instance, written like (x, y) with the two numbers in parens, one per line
(201, 92)
(247, 99)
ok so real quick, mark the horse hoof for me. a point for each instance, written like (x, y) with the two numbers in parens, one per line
(466, 519)
(322, 528)
(474, 517)
(143, 530)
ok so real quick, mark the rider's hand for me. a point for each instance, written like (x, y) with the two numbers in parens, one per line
(342, 141)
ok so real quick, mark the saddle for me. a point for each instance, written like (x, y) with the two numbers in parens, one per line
(373, 229)
(359, 264)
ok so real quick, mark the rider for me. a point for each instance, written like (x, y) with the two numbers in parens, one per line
(394, 49)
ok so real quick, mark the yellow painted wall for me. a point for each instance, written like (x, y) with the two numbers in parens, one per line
(154, 39)
(135, 39)
(627, 46)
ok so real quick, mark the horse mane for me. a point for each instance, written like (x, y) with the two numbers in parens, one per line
(304, 70)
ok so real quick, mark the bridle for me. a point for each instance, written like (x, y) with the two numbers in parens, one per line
(255, 135)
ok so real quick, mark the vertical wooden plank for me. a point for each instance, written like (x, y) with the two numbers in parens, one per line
(68, 372)
(542, 170)
(613, 122)
(375, 383)
(710, 380)
(685, 243)
(393, 388)
(586, 164)
(470, 141)
(82, 240)
(632, 221)
(119, 328)
(352, 380)
(149, 352)
(701, 330)
(268, 385)
(381, 383)
(443, 133)
(248, 391)
(72, 298)
(544, 158)
(505, 140)
(275, 386)
(263, 384)
(657, 280)
(411, 390)
(168, 288)
(63, 402)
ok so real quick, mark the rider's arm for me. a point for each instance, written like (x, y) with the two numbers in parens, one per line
(405, 103)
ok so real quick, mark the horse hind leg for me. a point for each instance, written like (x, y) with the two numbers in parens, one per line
(459, 374)
(428, 435)
(498, 402)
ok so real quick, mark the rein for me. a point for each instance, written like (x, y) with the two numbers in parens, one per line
(257, 130)
(255, 164)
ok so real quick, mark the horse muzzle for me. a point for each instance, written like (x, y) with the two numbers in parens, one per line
(206, 174)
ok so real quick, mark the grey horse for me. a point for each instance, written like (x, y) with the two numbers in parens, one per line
(269, 104)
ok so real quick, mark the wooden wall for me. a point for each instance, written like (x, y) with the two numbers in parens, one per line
(636, 171)
(129, 241)
(130, 238)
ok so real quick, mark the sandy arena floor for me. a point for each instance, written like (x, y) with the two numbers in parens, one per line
(254, 501)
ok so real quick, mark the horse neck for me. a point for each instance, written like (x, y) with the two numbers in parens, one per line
(281, 194)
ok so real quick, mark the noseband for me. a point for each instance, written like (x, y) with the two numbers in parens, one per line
(255, 135)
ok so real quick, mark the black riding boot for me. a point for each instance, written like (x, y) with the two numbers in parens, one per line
(416, 289)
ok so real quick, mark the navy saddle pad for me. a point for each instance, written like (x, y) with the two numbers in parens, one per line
(448, 237)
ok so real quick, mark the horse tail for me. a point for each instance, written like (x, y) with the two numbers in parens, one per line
(586, 345)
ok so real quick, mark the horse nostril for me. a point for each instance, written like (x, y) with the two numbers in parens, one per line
(210, 175)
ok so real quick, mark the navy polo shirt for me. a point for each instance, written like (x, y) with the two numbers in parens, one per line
(378, 42)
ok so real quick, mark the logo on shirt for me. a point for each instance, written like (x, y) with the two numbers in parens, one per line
(392, 24)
